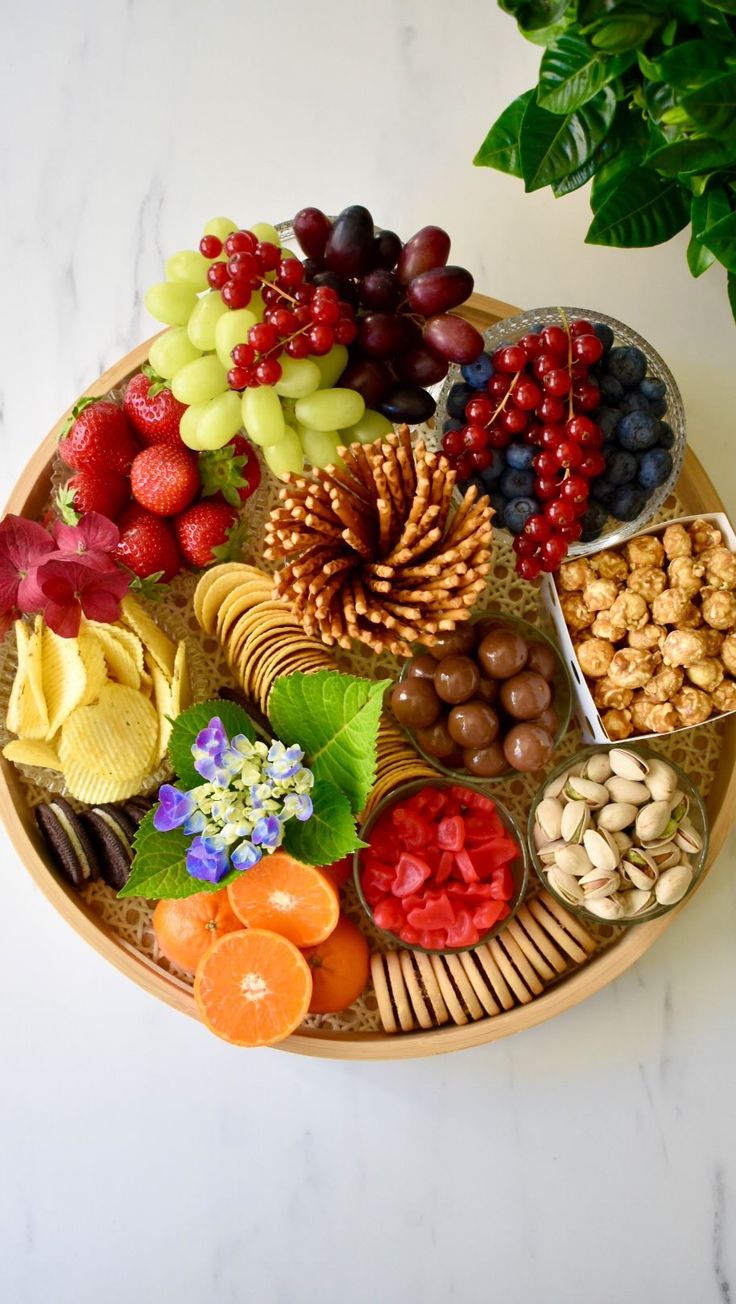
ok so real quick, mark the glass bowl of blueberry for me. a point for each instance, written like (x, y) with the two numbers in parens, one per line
(574, 426)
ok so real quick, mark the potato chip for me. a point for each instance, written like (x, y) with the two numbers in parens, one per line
(94, 664)
(115, 737)
(94, 788)
(181, 687)
(159, 644)
(32, 751)
(162, 699)
(121, 662)
(35, 667)
(64, 678)
(20, 683)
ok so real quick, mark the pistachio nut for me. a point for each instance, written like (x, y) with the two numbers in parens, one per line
(576, 771)
(652, 820)
(602, 849)
(555, 786)
(617, 815)
(609, 908)
(539, 837)
(593, 794)
(661, 781)
(575, 820)
(565, 885)
(597, 767)
(637, 901)
(622, 840)
(640, 869)
(628, 764)
(673, 884)
(548, 853)
(573, 859)
(688, 839)
(599, 883)
(627, 790)
(549, 817)
(665, 856)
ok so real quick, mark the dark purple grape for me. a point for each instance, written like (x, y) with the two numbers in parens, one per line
(379, 289)
(311, 268)
(453, 338)
(429, 248)
(371, 378)
(344, 288)
(385, 250)
(408, 403)
(439, 289)
(350, 241)
(421, 366)
(381, 334)
(311, 228)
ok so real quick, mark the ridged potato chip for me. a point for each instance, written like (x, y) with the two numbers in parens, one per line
(159, 644)
(94, 788)
(121, 662)
(115, 737)
(23, 715)
(181, 687)
(94, 664)
(64, 678)
(162, 699)
(32, 751)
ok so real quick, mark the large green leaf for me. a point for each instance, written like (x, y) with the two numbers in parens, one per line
(500, 149)
(721, 240)
(570, 74)
(706, 211)
(191, 722)
(533, 15)
(551, 146)
(713, 106)
(689, 64)
(159, 866)
(727, 6)
(574, 180)
(627, 32)
(692, 154)
(643, 209)
(329, 833)
(732, 293)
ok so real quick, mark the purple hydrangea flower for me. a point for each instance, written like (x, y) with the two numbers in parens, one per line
(298, 805)
(283, 762)
(268, 831)
(245, 855)
(174, 808)
(207, 749)
(207, 859)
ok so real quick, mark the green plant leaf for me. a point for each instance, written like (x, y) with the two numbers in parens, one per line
(732, 293)
(689, 64)
(329, 833)
(500, 149)
(693, 154)
(571, 73)
(727, 6)
(705, 211)
(628, 32)
(334, 718)
(159, 866)
(721, 240)
(643, 209)
(576, 179)
(188, 725)
(713, 106)
(533, 15)
(551, 146)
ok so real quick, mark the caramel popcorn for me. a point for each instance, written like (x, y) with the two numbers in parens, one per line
(631, 667)
(713, 641)
(610, 566)
(727, 651)
(630, 610)
(577, 615)
(606, 693)
(692, 705)
(648, 637)
(704, 535)
(604, 626)
(720, 567)
(663, 686)
(617, 725)
(706, 674)
(719, 608)
(724, 696)
(653, 717)
(646, 551)
(677, 542)
(670, 607)
(575, 574)
(683, 647)
(599, 595)
(646, 581)
(595, 656)
(686, 573)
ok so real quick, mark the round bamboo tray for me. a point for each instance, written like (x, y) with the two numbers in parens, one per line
(28, 498)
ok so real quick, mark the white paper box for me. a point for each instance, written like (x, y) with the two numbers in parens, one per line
(585, 711)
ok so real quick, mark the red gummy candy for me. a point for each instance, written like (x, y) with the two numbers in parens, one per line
(389, 915)
(411, 873)
(451, 833)
(433, 915)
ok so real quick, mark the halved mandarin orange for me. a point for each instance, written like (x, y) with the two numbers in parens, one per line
(339, 967)
(253, 987)
(186, 928)
(288, 897)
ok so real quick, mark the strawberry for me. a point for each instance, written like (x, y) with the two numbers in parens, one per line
(232, 471)
(152, 409)
(164, 478)
(147, 545)
(93, 491)
(97, 437)
(207, 532)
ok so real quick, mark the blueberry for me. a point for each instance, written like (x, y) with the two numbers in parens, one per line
(605, 335)
(652, 388)
(654, 468)
(493, 471)
(607, 418)
(478, 373)
(602, 489)
(658, 406)
(593, 522)
(519, 456)
(634, 401)
(499, 503)
(628, 502)
(627, 364)
(451, 423)
(517, 513)
(666, 435)
(611, 389)
(621, 468)
(517, 484)
(457, 399)
(637, 431)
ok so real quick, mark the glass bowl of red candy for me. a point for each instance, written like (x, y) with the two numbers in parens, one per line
(444, 868)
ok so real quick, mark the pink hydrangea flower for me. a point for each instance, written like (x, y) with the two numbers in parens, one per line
(23, 546)
(72, 588)
(91, 540)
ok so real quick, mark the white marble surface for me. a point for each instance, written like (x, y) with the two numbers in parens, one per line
(590, 1159)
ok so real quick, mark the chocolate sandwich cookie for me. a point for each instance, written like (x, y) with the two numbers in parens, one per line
(68, 841)
(112, 831)
(136, 808)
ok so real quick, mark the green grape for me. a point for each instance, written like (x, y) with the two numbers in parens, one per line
(189, 267)
(222, 227)
(288, 253)
(332, 365)
(262, 415)
(372, 425)
(221, 419)
(256, 305)
(299, 377)
(171, 302)
(285, 456)
(231, 329)
(330, 409)
(172, 351)
(200, 380)
(205, 316)
(189, 424)
(320, 446)
(264, 231)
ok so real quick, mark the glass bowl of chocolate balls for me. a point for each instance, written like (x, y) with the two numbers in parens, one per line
(490, 699)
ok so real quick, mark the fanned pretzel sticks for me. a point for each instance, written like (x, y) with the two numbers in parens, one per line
(371, 550)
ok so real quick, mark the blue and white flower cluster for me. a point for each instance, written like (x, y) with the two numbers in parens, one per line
(239, 812)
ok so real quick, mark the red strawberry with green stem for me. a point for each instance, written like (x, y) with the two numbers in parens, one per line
(164, 479)
(152, 409)
(209, 532)
(97, 437)
(147, 545)
(92, 491)
(232, 471)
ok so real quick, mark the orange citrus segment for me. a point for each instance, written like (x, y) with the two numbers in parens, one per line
(292, 899)
(339, 968)
(253, 987)
(186, 928)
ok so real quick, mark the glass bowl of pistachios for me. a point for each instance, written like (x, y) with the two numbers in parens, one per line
(619, 835)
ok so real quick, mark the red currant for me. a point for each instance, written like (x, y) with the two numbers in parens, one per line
(498, 436)
(575, 488)
(479, 409)
(532, 345)
(268, 255)
(210, 246)
(581, 429)
(572, 532)
(263, 336)
(481, 458)
(526, 395)
(290, 272)
(593, 464)
(346, 309)
(545, 463)
(579, 370)
(240, 242)
(285, 321)
(326, 312)
(586, 396)
(326, 292)
(303, 315)
(546, 487)
(243, 355)
(304, 293)
(237, 377)
(531, 434)
(551, 409)
(235, 294)
(523, 544)
(554, 340)
(271, 296)
(452, 443)
(299, 347)
(475, 438)
(321, 339)
(464, 466)
(559, 512)
(268, 371)
(498, 385)
(568, 454)
(543, 363)
(242, 267)
(217, 275)
(588, 348)
(557, 382)
(510, 359)
(553, 552)
(345, 331)
(537, 528)
(550, 436)
(528, 567)
(513, 420)
(581, 327)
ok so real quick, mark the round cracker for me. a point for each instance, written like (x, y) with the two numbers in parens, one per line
(533, 955)
(229, 572)
(464, 986)
(418, 1003)
(479, 984)
(569, 922)
(383, 997)
(512, 976)
(431, 987)
(398, 991)
(496, 979)
(544, 944)
(457, 1013)
(519, 960)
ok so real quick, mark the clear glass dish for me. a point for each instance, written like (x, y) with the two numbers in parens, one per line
(519, 866)
(696, 814)
(562, 702)
(510, 329)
